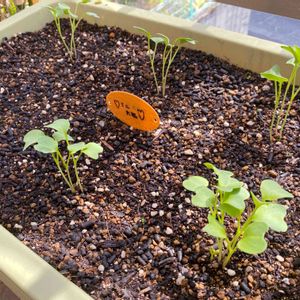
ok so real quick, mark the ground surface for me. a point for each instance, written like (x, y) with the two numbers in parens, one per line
(133, 233)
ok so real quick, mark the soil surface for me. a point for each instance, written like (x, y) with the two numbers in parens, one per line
(133, 233)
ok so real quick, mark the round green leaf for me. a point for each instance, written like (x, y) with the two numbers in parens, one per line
(60, 125)
(46, 144)
(273, 215)
(253, 241)
(76, 147)
(31, 137)
(214, 228)
(204, 197)
(272, 191)
(194, 182)
(92, 150)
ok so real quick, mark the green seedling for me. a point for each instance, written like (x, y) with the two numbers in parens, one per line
(64, 10)
(49, 145)
(227, 200)
(170, 50)
(281, 107)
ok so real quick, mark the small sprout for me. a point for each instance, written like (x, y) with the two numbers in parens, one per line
(170, 50)
(226, 200)
(281, 108)
(49, 145)
(63, 9)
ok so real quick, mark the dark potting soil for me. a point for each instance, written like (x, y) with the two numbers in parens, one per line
(133, 233)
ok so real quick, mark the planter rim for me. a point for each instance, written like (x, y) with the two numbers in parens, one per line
(28, 276)
(24, 272)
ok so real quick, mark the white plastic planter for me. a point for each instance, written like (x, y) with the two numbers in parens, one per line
(21, 270)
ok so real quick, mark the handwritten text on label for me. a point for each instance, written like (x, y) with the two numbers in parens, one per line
(132, 110)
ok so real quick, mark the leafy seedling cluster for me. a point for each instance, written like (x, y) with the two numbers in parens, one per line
(282, 105)
(64, 10)
(49, 145)
(170, 50)
(227, 200)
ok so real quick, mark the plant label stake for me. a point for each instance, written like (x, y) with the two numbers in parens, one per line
(132, 110)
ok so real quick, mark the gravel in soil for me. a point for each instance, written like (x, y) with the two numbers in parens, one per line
(133, 233)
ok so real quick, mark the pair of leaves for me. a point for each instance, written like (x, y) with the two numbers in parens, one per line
(46, 144)
(225, 181)
(90, 149)
(64, 9)
(41, 142)
(253, 240)
(274, 74)
(295, 51)
(270, 215)
(164, 39)
(204, 197)
(234, 194)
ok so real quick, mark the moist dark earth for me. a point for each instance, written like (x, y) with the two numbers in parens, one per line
(133, 233)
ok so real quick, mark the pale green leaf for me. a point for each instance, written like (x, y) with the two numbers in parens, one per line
(46, 144)
(204, 197)
(184, 40)
(233, 203)
(58, 136)
(295, 51)
(256, 201)
(92, 14)
(217, 171)
(253, 241)
(214, 228)
(76, 147)
(274, 74)
(228, 184)
(273, 215)
(144, 31)
(165, 39)
(64, 7)
(157, 39)
(60, 125)
(272, 191)
(92, 150)
(194, 182)
(72, 15)
(31, 137)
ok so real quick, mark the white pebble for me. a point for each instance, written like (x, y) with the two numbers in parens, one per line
(231, 272)
(169, 231)
(101, 268)
(280, 258)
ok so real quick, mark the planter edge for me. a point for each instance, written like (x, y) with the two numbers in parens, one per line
(29, 277)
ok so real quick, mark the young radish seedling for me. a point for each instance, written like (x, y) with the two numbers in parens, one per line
(282, 108)
(227, 200)
(170, 50)
(49, 145)
(61, 10)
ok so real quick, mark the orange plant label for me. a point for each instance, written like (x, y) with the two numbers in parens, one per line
(132, 110)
